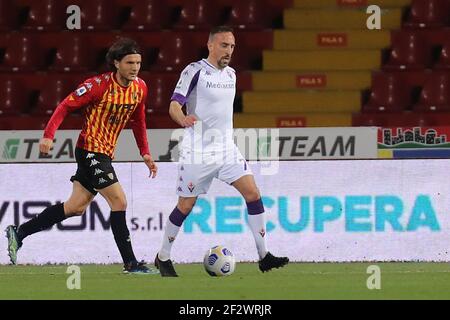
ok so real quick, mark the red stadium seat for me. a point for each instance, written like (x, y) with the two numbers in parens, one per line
(444, 57)
(409, 51)
(245, 58)
(247, 15)
(160, 89)
(389, 93)
(52, 93)
(13, 96)
(435, 95)
(71, 55)
(404, 119)
(198, 15)
(98, 15)
(176, 52)
(98, 44)
(369, 119)
(21, 54)
(8, 15)
(147, 15)
(429, 13)
(45, 15)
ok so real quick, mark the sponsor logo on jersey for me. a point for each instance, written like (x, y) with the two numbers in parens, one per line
(217, 85)
(94, 162)
(80, 91)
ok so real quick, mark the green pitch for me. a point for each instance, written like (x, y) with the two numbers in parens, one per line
(295, 281)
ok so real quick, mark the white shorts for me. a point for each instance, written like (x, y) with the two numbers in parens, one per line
(196, 178)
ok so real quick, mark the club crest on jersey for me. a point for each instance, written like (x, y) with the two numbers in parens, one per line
(135, 95)
(80, 91)
(111, 176)
(191, 187)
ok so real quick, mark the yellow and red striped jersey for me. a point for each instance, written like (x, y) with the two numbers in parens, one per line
(108, 106)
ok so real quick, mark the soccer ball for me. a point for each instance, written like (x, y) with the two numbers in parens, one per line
(219, 261)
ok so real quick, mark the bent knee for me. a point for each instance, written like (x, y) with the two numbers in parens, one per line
(186, 206)
(119, 204)
(71, 210)
(252, 195)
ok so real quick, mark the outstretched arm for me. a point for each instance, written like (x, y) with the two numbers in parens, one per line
(76, 100)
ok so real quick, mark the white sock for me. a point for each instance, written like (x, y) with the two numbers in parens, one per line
(170, 233)
(257, 224)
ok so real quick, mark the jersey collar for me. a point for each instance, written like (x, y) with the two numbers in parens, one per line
(113, 77)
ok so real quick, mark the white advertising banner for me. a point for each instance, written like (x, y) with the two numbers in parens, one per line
(372, 210)
(254, 144)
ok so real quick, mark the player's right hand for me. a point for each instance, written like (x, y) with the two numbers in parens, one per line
(189, 121)
(45, 145)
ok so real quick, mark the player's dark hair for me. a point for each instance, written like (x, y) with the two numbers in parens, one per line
(121, 48)
(219, 29)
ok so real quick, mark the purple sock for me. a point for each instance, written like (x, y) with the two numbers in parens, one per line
(177, 217)
(255, 207)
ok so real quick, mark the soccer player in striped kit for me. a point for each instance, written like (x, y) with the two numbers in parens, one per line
(108, 101)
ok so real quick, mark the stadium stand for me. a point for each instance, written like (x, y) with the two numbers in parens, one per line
(389, 93)
(435, 95)
(71, 56)
(147, 15)
(426, 14)
(198, 15)
(12, 95)
(45, 15)
(299, 62)
(98, 15)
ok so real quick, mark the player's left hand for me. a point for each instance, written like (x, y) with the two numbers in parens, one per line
(151, 165)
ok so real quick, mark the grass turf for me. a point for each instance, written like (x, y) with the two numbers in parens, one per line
(295, 281)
